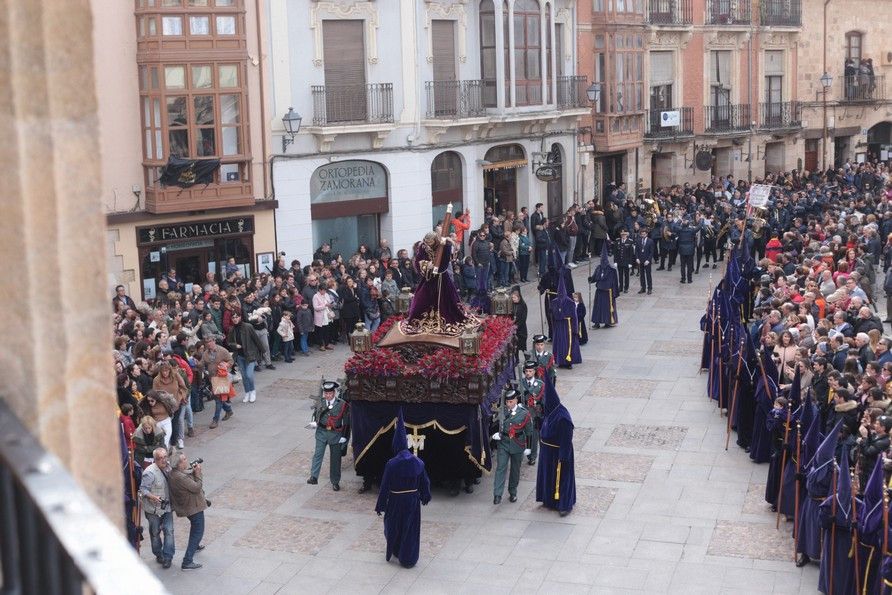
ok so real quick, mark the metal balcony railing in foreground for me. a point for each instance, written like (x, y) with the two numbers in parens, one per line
(454, 99)
(571, 91)
(670, 12)
(53, 538)
(783, 13)
(659, 126)
(727, 118)
(349, 104)
(780, 114)
(728, 12)
(863, 87)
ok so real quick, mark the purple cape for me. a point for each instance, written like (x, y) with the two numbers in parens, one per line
(435, 292)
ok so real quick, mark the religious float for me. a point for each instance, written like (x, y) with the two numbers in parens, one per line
(443, 364)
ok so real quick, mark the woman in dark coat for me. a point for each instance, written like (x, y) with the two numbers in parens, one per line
(350, 313)
(405, 487)
(519, 314)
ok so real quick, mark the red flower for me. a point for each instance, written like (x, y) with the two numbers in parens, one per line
(443, 363)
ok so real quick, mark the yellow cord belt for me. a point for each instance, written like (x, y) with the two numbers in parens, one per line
(557, 483)
(569, 340)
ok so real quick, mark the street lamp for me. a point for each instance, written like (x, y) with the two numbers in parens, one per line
(291, 122)
(594, 97)
(826, 81)
(594, 92)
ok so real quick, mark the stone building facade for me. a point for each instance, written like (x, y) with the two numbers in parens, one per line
(858, 109)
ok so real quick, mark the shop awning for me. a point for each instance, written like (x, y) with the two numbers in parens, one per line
(510, 164)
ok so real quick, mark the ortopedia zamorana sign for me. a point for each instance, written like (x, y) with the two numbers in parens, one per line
(191, 230)
(348, 180)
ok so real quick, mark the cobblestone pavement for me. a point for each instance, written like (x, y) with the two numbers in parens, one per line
(662, 507)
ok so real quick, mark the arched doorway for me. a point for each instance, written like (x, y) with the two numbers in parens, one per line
(555, 187)
(500, 177)
(446, 185)
(879, 141)
(346, 199)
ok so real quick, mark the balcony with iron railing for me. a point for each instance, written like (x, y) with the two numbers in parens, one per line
(728, 12)
(780, 13)
(728, 118)
(661, 123)
(454, 99)
(335, 105)
(863, 88)
(53, 538)
(571, 92)
(670, 12)
(780, 115)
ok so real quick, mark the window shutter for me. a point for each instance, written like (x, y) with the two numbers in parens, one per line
(720, 71)
(774, 63)
(344, 58)
(662, 68)
(343, 53)
(443, 37)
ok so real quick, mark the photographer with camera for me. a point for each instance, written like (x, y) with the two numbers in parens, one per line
(154, 493)
(187, 498)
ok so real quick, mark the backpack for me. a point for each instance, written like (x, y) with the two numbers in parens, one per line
(185, 371)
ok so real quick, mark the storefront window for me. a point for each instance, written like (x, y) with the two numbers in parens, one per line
(346, 198)
(194, 248)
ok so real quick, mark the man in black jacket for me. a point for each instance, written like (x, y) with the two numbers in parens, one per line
(871, 443)
(624, 258)
(481, 254)
(584, 224)
(686, 235)
(538, 228)
(644, 257)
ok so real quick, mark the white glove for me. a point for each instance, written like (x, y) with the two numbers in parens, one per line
(312, 425)
(496, 436)
(342, 440)
(527, 452)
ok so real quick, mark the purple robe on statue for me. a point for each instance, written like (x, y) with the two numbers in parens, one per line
(435, 291)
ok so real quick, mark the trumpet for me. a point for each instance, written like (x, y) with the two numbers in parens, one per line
(653, 205)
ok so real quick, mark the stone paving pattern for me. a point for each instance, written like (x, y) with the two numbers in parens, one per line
(661, 506)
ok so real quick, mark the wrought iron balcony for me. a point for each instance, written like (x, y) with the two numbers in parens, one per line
(670, 12)
(781, 114)
(351, 104)
(727, 118)
(783, 13)
(571, 91)
(660, 123)
(863, 88)
(53, 538)
(454, 99)
(728, 12)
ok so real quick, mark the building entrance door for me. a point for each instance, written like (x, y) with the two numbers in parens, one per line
(191, 265)
(500, 190)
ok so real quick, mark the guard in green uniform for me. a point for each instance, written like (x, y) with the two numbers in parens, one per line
(330, 418)
(543, 358)
(531, 389)
(513, 436)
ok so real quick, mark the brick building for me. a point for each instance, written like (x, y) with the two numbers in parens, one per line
(691, 81)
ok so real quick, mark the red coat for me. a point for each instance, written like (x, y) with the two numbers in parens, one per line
(129, 429)
(773, 248)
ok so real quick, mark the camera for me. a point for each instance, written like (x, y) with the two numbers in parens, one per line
(196, 462)
(164, 503)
